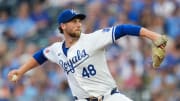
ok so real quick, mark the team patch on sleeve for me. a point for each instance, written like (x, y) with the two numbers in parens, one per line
(47, 51)
(49, 54)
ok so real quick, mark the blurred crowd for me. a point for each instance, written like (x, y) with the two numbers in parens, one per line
(27, 26)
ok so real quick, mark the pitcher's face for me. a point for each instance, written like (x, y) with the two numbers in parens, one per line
(73, 28)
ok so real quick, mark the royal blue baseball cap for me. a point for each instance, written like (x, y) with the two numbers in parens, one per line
(68, 15)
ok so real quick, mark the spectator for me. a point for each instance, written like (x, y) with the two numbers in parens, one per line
(5, 21)
(40, 16)
(164, 7)
(23, 26)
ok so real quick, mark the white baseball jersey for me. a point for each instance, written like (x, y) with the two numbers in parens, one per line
(85, 63)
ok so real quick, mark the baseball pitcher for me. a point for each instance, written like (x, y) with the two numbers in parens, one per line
(82, 56)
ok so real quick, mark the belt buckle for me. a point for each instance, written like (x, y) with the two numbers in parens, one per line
(92, 98)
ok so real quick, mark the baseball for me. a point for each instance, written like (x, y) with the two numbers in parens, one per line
(14, 77)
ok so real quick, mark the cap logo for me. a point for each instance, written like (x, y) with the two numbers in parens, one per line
(73, 11)
(68, 15)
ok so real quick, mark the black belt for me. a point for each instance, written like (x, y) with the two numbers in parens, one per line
(95, 98)
(113, 91)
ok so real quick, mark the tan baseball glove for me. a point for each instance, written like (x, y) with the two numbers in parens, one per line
(158, 51)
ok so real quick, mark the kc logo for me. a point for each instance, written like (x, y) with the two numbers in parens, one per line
(73, 11)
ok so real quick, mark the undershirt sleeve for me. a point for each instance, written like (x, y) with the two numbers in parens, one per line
(126, 29)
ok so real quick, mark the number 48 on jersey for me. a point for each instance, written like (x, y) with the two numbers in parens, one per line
(88, 71)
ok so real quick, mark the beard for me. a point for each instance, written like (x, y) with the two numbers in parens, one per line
(75, 34)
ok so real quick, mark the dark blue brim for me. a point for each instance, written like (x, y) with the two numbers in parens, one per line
(78, 16)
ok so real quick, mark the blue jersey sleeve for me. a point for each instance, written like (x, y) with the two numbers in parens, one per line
(126, 29)
(39, 57)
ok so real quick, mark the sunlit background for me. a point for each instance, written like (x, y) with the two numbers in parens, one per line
(27, 26)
